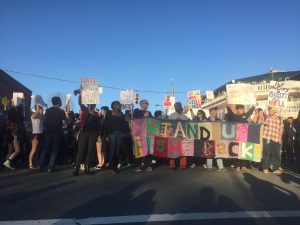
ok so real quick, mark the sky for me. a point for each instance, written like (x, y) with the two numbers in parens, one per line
(144, 44)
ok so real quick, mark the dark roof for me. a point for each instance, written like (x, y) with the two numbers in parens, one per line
(7, 79)
(291, 75)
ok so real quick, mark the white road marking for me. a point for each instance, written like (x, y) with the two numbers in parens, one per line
(159, 218)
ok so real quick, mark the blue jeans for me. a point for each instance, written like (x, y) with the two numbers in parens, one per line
(52, 145)
(115, 144)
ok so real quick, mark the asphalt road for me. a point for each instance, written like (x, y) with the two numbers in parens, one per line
(32, 196)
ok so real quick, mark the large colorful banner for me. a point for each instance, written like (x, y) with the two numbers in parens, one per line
(173, 139)
(243, 94)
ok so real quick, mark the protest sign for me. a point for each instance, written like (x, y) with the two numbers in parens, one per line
(278, 94)
(210, 95)
(173, 139)
(194, 99)
(167, 103)
(126, 99)
(68, 101)
(292, 110)
(243, 94)
(89, 90)
(18, 98)
(39, 99)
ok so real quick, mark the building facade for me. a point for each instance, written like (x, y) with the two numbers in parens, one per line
(261, 85)
(8, 86)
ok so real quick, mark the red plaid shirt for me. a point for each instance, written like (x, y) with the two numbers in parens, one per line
(273, 128)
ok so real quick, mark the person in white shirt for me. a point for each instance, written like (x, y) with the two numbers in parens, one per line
(37, 120)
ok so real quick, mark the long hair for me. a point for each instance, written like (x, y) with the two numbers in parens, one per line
(203, 114)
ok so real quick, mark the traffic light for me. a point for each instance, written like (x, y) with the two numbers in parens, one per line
(136, 98)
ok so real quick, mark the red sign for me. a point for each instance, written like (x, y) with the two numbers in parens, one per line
(166, 104)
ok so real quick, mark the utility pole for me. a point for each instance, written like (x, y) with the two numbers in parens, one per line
(172, 87)
(271, 72)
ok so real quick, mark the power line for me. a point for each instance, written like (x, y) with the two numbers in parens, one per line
(76, 82)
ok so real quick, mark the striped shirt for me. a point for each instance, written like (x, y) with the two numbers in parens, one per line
(273, 127)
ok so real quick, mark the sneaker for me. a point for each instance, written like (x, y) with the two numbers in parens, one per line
(265, 171)
(232, 166)
(244, 169)
(138, 169)
(149, 169)
(153, 161)
(119, 165)
(8, 165)
(204, 166)
(193, 165)
(98, 167)
(277, 172)
(82, 167)
(32, 167)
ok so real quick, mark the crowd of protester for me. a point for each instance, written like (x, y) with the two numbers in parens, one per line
(101, 138)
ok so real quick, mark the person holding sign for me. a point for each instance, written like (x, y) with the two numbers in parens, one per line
(89, 129)
(139, 114)
(272, 137)
(200, 117)
(259, 116)
(178, 115)
(37, 120)
(240, 117)
(213, 117)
